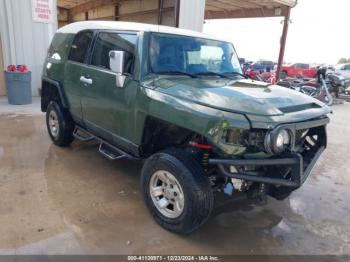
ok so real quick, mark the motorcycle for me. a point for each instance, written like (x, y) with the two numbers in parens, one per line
(318, 88)
(337, 84)
(320, 92)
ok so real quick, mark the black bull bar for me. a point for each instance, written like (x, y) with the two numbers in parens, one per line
(300, 164)
(298, 173)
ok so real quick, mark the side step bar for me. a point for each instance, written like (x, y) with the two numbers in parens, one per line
(77, 134)
(112, 153)
(106, 149)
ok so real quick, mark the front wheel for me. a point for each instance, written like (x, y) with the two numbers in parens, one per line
(176, 191)
(328, 100)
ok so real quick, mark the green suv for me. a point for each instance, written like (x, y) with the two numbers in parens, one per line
(177, 100)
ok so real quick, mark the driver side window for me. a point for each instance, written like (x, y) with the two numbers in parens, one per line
(80, 46)
(107, 42)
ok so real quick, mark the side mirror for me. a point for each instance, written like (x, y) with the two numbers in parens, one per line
(116, 64)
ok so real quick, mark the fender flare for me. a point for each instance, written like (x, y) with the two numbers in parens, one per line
(60, 91)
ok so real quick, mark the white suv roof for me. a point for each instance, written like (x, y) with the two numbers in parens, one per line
(74, 28)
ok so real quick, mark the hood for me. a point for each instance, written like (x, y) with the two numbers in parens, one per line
(248, 97)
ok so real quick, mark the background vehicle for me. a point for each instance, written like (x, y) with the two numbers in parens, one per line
(262, 66)
(299, 70)
(342, 70)
(336, 84)
(183, 106)
(260, 70)
(347, 90)
(241, 60)
(245, 64)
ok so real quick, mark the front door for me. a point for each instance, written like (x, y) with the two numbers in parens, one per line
(73, 70)
(108, 109)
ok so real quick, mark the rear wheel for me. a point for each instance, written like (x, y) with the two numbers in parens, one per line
(176, 191)
(60, 126)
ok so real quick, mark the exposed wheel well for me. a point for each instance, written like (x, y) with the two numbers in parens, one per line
(50, 92)
(159, 134)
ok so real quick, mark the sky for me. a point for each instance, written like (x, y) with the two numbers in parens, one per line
(319, 33)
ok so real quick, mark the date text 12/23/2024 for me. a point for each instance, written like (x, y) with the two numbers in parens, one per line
(174, 258)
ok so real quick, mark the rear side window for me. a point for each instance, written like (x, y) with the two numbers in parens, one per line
(302, 66)
(57, 46)
(80, 46)
(267, 63)
(107, 42)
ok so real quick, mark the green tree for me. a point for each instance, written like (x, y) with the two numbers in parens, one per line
(342, 60)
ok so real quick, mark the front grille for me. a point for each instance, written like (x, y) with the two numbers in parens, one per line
(300, 136)
(308, 141)
(307, 135)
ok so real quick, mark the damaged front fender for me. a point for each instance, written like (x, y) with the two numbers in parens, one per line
(213, 124)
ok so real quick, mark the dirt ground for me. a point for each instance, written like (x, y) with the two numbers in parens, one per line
(74, 201)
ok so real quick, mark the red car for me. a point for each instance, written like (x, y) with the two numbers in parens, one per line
(299, 69)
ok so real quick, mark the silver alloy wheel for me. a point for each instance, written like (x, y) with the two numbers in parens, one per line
(167, 194)
(53, 124)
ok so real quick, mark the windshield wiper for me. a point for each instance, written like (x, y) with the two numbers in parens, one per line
(210, 73)
(223, 75)
(175, 73)
(236, 73)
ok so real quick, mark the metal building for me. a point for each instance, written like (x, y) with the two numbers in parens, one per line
(27, 26)
(24, 39)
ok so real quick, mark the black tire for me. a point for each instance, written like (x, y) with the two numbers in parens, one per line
(65, 125)
(198, 195)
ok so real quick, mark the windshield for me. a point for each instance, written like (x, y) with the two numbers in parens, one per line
(191, 55)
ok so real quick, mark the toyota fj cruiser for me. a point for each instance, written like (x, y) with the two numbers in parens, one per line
(177, 99)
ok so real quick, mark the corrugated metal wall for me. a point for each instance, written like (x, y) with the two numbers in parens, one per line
(2, 81)
(24, 41)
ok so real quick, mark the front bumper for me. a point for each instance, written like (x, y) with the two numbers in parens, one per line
(297, 177)
(296, 165)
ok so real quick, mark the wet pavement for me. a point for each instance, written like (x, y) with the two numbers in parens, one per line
(74, 201)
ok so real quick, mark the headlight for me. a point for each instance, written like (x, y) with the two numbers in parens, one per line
(231, 141)
(282, 139)
(277, 141)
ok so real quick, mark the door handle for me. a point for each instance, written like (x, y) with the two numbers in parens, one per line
(85, 80)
